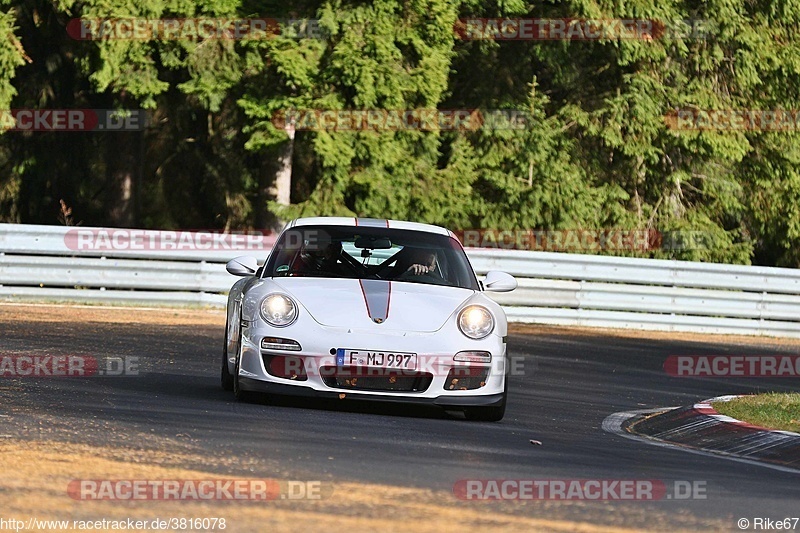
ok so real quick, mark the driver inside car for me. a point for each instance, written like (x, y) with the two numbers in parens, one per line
(422, 263)
(322, 255)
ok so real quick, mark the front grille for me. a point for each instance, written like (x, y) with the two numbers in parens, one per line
(375, 379)
(285, 366)
(466, 378)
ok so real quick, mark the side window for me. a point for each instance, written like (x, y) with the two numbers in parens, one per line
(380, 256)
(351, 250)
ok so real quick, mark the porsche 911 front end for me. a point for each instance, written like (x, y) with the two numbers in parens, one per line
(369, 310)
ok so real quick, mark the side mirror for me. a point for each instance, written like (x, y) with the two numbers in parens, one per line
(245, 265)
(496, 281)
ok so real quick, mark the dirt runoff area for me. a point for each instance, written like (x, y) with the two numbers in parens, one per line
(44, 481)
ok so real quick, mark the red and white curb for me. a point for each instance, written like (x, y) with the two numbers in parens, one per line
(700, 429)
(707, 409)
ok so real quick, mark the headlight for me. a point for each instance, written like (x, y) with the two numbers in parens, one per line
(278, 310)
(475, 322)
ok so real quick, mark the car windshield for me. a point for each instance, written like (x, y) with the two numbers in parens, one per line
(359, 252)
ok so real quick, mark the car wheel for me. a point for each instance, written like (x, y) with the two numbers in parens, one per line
(226, 379)
(241, 395)
(494, 413)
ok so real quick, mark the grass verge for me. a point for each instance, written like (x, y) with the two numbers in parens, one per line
(771, 410)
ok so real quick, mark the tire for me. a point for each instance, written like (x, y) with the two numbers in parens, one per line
(226, 379)
(493, 413)
(241, 395)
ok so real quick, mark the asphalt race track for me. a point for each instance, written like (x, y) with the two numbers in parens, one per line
(570, 382)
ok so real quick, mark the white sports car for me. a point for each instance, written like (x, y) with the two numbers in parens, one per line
(368, 309)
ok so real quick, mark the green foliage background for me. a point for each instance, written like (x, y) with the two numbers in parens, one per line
(598, 152)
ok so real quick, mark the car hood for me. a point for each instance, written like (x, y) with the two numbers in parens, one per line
(390, 305)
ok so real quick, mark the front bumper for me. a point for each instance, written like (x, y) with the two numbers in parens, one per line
(444, 400)
(435, 349)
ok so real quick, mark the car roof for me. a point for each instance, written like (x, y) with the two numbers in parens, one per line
(370, 222)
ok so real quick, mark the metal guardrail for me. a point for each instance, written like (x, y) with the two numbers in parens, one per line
(46, 263)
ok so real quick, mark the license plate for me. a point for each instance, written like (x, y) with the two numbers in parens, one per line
(376, 359)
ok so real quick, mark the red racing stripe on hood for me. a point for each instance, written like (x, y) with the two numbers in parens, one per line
(377, 297)
(372, 222)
